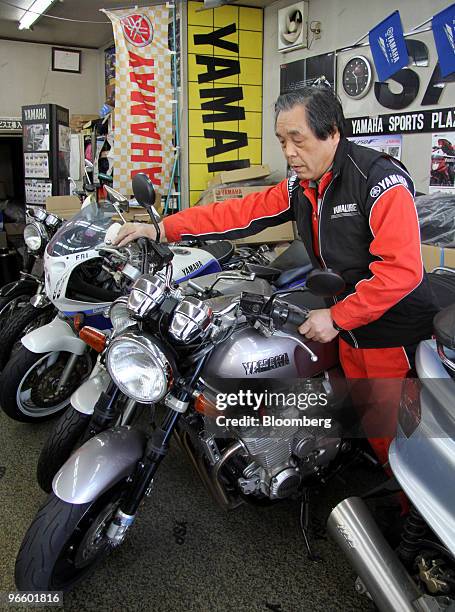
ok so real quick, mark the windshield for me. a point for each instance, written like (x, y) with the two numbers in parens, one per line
(84, 231)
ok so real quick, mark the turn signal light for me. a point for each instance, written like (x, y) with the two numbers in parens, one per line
(94, 338)
(78, 322)
(204, 406)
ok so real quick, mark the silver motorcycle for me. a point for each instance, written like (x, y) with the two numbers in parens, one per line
(184, 354)
(419, 573)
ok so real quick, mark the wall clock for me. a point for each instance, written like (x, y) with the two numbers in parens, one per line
(357, 77)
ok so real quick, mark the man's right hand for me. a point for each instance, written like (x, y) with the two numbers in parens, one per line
(133, 231)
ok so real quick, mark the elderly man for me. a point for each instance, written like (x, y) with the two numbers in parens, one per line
(355, 213)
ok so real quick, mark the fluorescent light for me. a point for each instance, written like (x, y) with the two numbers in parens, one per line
(38, 7)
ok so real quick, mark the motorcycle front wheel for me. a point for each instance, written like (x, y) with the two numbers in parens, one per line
(65, 542)
(63, 440)
(17, 297)
(29, 384)
(23, 322)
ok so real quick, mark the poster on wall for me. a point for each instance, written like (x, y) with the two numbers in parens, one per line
(442, 174)
(224, 91)
(36, 137)
(36, 192)
(387, 144)
(143, 97)
(36, 165)
(300, 73)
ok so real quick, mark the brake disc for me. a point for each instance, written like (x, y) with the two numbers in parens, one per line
(44, 387)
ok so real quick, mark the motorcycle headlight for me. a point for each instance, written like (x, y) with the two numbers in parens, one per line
(139, 367)
(120, 316)
(35, 237)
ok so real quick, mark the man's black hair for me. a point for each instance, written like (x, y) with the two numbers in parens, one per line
(324, 112)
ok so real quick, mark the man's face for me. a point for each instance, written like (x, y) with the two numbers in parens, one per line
(307, 155)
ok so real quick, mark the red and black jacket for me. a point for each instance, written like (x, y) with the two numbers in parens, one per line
(360, 220)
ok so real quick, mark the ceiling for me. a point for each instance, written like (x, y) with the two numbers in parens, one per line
(70, 33)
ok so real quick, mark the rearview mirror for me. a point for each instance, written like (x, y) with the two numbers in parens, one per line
(325, 283)
(143, 190)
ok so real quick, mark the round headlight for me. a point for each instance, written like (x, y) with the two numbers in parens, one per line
(120, 316)
(34, 236)
(139, 367)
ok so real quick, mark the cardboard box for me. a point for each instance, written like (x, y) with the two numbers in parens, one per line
(77, 122)
(63, 206)
(279, 233)
(242, 174)
(435, 256)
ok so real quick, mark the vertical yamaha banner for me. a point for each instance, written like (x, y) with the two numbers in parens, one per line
(224, 91)
(443, 25)
(143, 97)
(388, 46)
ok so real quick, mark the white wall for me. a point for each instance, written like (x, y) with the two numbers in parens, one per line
(26, 78)
(343, 23)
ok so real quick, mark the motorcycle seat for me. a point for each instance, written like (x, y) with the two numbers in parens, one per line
(268, 273)
(442, 283)
(289, 276)
(444, 327)
(295, 256)
(222, 250)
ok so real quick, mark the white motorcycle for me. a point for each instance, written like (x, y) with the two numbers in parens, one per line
(83, 275)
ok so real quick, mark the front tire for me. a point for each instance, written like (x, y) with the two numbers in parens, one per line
(28, 384)
(27, 319)
(17, 297)
(60, 444)
(65, 543)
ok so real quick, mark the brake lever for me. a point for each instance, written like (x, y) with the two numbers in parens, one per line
(282, 334)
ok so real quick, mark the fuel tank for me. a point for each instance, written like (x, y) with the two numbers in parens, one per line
(248, 354)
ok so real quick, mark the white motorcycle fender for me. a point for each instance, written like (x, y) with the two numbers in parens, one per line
(55, 336)
(85, 397)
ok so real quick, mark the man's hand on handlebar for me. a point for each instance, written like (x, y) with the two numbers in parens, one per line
(133, 231)
(319, 326)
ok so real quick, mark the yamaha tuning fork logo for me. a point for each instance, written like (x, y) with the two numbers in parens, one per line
(449, 34)
(389, 46)
(137, 30)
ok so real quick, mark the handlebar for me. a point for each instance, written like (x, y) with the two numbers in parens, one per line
(297, 318)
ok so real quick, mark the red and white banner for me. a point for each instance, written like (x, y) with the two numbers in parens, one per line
(143, 97)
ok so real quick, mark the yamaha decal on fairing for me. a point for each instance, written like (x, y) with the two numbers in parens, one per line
(192, 268)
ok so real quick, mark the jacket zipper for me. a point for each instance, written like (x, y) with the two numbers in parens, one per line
(320, 205)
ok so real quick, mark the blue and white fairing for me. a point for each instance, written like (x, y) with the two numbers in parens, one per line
(77, 242)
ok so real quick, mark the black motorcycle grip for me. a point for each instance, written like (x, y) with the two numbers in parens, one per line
(297, 318)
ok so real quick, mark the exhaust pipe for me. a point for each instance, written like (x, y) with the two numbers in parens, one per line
(354, 529)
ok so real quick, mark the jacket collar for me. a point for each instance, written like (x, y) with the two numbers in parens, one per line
(340, 155)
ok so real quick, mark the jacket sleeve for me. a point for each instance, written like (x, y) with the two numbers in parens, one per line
(233, 218)
(399, 269)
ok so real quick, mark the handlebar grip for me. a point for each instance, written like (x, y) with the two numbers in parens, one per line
(297, 318)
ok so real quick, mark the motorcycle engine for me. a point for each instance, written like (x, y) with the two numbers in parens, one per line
(280, 458)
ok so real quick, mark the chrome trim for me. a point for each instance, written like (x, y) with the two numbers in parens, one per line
(443, 357)
(190, 319)
(147, 293)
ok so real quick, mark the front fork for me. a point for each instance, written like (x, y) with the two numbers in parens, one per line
(142, 479)
(155, 451)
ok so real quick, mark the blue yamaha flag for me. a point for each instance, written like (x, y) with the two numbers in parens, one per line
(388, 46)
(444, 31)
